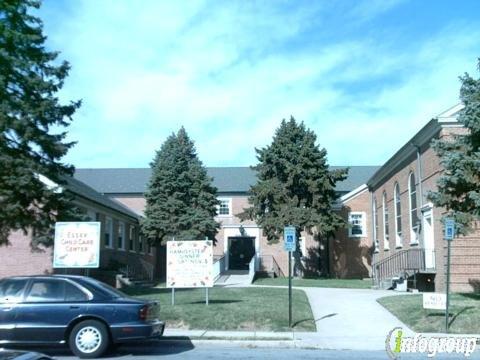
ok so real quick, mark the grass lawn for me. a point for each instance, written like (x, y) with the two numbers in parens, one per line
(261, 309)
(464, 313)
(325, 283)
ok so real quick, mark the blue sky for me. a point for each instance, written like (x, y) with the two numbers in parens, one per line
(364, 75)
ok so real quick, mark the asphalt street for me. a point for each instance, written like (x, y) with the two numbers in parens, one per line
(174, 350)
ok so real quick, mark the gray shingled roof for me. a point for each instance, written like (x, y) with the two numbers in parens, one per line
(80, 189)
(226, 179)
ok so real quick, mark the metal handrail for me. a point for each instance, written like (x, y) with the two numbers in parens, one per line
(276, 268)
(398, 263)
(274, 265)
(251, 269)
(218, 267)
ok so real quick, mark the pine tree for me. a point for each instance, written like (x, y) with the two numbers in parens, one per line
(181, 200)
(459, 186)
(30, 77)
(295, 186)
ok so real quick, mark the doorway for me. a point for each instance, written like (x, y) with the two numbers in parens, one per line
(428, 239)
(241, 250)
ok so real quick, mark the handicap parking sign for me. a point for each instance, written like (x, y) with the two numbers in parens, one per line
(289, 236)
(449, 229)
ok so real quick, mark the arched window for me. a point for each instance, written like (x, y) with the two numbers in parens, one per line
(375, 224)
(398, 216)
(414, 221)
(386, 231)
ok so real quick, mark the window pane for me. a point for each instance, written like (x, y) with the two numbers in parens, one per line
(73, 293)
(12, 290)
(108, 232)
(121, 234)
(356, 223)
(224, 207)
(132, 239)
(46, 291)
(398, 209)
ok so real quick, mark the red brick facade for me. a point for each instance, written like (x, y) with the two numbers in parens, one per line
(19, 259)
(351, 256)
(465, 261)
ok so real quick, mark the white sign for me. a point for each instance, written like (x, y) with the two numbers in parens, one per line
(434, 301)
(77, 245)
(289, 237)
(189, 264)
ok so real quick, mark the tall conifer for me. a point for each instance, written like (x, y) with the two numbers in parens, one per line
(32, 119)
(295, 186)
(181, 200)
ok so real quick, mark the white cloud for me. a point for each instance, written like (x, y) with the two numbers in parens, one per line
(229, 72)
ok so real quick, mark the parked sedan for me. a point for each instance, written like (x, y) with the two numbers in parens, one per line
(84, 313)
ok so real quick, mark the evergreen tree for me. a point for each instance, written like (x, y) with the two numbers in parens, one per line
(295, 186)
(181, 200)
(30, 78)
(459, 186)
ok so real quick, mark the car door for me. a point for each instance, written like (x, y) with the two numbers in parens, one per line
(11, 293)
(49, 306)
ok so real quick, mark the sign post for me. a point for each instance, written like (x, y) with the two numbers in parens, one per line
(290, 243)
(449, 235)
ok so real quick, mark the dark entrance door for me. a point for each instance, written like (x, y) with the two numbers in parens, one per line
(241, 251)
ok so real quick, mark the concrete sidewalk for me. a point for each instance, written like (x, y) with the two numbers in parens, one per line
(346, 319)
(290, 339)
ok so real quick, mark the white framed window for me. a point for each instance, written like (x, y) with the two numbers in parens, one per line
(358, 225)
(121, 236)
(131, 239)
(386, 229)
(414, 220)
(375, 224)
(140, 244)
(225, 207)
(108, 235)
(398, 216)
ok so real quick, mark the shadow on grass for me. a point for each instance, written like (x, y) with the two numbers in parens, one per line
(473, 296)
(215, 302)
(458, 314)
(453, 316)
(313, 320)
(138, 291)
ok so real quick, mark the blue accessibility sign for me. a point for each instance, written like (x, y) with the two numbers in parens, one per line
(449, 229)
(290, 238)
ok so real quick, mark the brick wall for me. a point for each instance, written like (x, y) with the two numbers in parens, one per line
(19, 259)
(465, 269)
(350, 257)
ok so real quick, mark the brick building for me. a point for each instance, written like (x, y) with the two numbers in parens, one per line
(120, 241)
(239, 241)
(394, 232)
(406, 226)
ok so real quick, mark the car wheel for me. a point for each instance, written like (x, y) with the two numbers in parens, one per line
(89, 339)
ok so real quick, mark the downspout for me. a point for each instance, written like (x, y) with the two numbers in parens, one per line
(420, 190)
(374, 254)
(419, 170)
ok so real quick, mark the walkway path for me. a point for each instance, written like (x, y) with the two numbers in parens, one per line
(352, 317)
(233, 278)
(349, 319)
